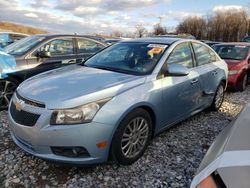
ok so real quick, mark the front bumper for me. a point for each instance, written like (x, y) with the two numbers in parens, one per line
(38, 139)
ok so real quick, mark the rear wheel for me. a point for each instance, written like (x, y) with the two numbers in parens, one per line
(218, 97)
(132, 137)
(7, 89)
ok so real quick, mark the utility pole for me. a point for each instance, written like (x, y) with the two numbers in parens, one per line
(160, 19)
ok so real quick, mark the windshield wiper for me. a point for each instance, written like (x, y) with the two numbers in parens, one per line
(113, 69)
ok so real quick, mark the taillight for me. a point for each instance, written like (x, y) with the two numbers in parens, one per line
(207, 183)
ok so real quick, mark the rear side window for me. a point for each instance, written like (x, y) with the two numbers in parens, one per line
(58, 47)
(88, 46)
(182, 54)
(204, 55)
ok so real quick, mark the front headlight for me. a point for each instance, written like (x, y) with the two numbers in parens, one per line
(78, 115)
(233, 72)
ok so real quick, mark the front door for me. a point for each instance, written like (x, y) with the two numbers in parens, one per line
(181, 96)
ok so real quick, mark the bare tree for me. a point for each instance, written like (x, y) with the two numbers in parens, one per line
(159, 30)
(221, 26)
(116, 34)
(140, 30)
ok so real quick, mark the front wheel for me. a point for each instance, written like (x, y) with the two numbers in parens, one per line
(132, 137)
(7, 89)
(243, 83)
(218, 98)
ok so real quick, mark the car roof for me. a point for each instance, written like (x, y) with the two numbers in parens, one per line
(65, 35)
(158, 40)
(234, 43)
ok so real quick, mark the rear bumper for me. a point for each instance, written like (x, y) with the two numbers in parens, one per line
(234, 81)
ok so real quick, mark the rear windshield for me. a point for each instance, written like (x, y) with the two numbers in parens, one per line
(232, 51)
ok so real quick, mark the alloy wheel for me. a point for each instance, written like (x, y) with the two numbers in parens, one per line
(7, 89)
(135, 137)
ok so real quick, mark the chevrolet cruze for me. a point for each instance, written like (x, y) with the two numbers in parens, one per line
(110, 106)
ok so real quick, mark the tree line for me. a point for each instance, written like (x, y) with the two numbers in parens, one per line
(226, 26)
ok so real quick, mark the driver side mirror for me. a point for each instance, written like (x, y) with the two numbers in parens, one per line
(176, 70)
(43, 54)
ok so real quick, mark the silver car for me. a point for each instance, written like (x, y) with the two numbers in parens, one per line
(227, 162)
(110, 106)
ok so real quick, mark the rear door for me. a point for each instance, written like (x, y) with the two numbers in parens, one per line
(209, 72)
(87, 47)
(181, 95)
(62, 51)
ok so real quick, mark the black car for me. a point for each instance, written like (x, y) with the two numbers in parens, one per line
(39, 53)
(7, 38)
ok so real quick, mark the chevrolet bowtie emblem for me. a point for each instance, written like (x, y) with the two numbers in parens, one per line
(19, 104)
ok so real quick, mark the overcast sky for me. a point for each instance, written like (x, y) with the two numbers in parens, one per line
(105, 16)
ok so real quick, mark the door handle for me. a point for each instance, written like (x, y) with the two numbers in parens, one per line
(194, 81)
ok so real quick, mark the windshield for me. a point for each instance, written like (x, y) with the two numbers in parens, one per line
(22, 46)
(232, 51)
(129, 58)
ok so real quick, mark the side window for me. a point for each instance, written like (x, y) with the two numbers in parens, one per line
(182, 54)
(88, 46)
(58, 47)
(203, 54)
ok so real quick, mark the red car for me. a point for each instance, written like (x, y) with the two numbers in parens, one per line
(237, 57)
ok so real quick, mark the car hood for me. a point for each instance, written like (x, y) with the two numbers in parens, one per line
(76, 85)
(7, 64)
(230, 149)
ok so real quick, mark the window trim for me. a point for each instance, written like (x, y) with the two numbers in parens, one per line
(30, 57)
(210, 50)
(89, 39)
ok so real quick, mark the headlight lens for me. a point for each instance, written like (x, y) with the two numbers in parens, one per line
(233, 72)
(81, 114)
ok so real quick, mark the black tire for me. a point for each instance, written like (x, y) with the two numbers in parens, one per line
(216, 104)
(117, 153)
(243, 83)
(7, 89)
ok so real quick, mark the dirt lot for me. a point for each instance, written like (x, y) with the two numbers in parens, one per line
(170, 161)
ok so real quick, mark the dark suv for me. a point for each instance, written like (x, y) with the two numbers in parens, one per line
(39, 53)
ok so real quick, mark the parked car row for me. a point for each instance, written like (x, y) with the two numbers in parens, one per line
(110, 100)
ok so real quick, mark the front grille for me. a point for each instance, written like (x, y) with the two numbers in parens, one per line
(32, 103)
(22, 117)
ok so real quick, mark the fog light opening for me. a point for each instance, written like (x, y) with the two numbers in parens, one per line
(70, 151)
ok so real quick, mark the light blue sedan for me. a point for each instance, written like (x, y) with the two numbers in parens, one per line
(111, 105)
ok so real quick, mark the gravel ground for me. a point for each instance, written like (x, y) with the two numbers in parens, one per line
(171, 160)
